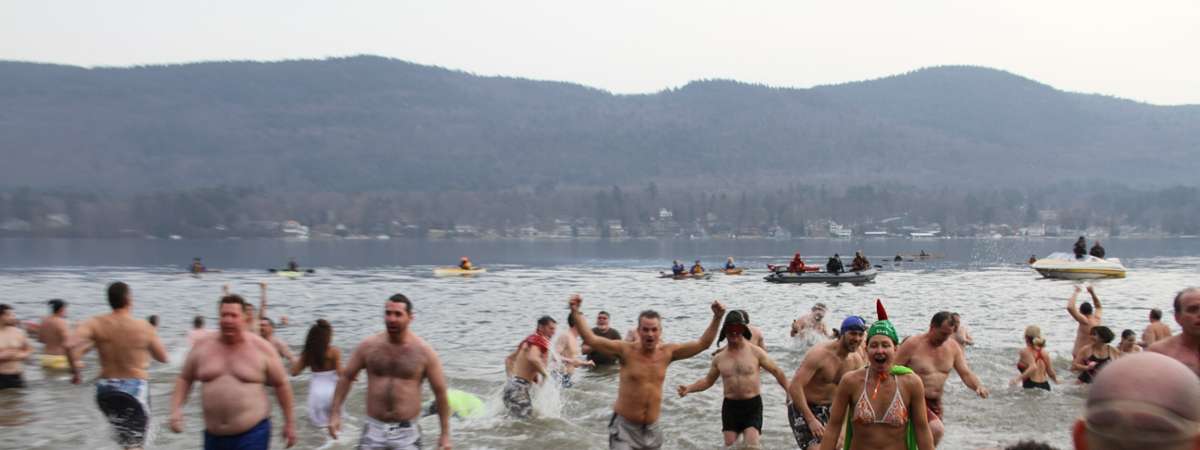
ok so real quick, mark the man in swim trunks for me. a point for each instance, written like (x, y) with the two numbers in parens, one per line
(266, 329)
(53, 332)
(233, 367)
(568, 350)
(1156, 331)
(397, 361)
(526, 366)
(932, 355)
(1141, 401)
(738, 367)
(603, 330)
(1087, 318)
(813, 321)
(817, 378)
(125, 344)
(1185, 346)
(14, 348)
(634, 423)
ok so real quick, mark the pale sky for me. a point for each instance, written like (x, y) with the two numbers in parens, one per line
(1146, 51)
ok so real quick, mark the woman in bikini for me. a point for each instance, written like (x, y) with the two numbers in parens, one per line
(886, 402)
(1033, 363)
(1093, 357)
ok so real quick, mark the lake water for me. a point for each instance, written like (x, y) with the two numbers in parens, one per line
(474, 322)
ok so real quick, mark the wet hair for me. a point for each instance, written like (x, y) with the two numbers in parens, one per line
(649, 314)
(198, 322)
(1104, 333)
(153, 319)
(940, 318)
(4, 308)
(603, 313)
(1178, 303)
(118, 295)
(1030, 445)
(1128, 333)
(400, 298)
(56, 305)
(1085, 309)
(1156, 314)
(316, 345)
(545, 320)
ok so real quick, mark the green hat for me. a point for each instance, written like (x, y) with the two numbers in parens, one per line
(883, 325)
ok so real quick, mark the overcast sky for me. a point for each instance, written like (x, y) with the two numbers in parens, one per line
(1145, 51)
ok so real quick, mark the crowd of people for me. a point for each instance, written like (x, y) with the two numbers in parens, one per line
(859, 387)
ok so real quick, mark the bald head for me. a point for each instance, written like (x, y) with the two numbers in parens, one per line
(1144, 400)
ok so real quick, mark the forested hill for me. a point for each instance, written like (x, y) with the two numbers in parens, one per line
(374, 124)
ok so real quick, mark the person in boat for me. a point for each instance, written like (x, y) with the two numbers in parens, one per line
(465, 264)
(835, 264)
(197, 266)
(1032, 259)
(797, 264)
(697, 269)
(677, 268)
(860, 262)
(898, 258)
(923, 254)
(1080, 248)
(729, 264)
(292, 266)
(1097, 250)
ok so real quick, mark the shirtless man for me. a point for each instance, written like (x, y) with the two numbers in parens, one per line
(397, 362)
(1087, 318)
(125, 344)
(526, 366)
(568, 350)
(932, 355)
(962, 334)
(266, 329)
(812, 321)
(53, 332)
(14, 348)
(233, 366)
(197, 332)
(738, 367)
(817, 378)
(634, 423)
(1185, 346)
(1156, 331)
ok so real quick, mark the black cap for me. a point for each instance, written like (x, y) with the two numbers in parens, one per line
(735, 318)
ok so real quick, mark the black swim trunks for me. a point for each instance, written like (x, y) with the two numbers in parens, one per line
(1027, 384)
(11, 381)
(804, 436)
(738, 415)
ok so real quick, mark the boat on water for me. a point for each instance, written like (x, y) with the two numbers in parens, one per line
(1065, 266)
(686, 276)
(457, 272)
(734, 271)
(865, 276)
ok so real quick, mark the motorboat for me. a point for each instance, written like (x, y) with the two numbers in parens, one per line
(865, 276)
(1065, 266)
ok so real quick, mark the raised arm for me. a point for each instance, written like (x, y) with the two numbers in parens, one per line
(795, 390)
(283, 392)
(1075, 311)
(1095, 301)
(183, 387)
(343, 387)
(437, 383)
(837, 414)
(689, 349)
(596, 343)
(964, 372)
(703, 383)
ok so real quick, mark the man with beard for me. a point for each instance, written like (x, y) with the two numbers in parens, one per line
(603, 330)
(812, 387)
(932, 355)
(1185, 346)
(397, 361)
(527, 366)
(738, 367)
(634, 423)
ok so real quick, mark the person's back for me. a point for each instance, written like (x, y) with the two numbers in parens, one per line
(53, 335)
(1097, 250)
(123, 343)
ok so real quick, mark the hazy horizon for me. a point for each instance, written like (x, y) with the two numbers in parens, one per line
(1135, 52)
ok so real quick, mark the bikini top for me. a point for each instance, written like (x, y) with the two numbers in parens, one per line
(896, 414)
(1037, 354)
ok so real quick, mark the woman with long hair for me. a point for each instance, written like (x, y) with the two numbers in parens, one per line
(325, 361)
(1034, 363)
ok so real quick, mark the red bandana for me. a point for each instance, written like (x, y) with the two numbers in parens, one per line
(538, 340)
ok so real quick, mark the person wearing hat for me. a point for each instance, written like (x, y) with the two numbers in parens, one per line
(883, 404)
(738, 367)
(816, 379)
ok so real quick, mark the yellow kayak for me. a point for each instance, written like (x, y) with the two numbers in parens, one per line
(455, 271)
(737, 271)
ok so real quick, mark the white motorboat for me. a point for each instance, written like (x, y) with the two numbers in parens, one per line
(1066, 267)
